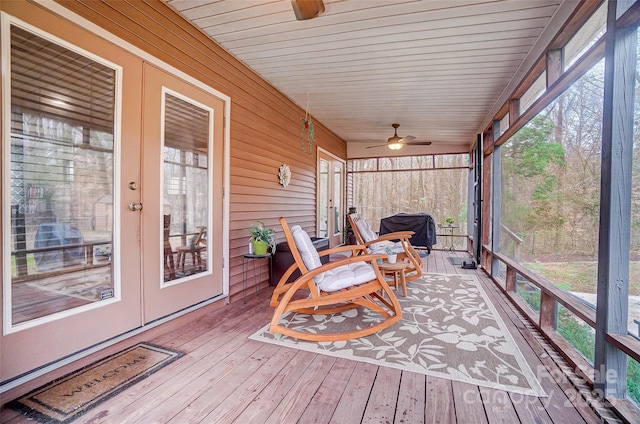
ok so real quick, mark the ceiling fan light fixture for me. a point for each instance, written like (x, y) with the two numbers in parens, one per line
(307, 9)
(394, 143)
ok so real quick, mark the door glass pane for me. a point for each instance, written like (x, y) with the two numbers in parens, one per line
(186, 188)
(61, 179)
(337, 198)
(323, 206)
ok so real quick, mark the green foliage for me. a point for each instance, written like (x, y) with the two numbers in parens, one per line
(532, 152)
(580, 335)
(259, 231)
(531, 160)
(531, 297)
(545, 190)
(633, 380)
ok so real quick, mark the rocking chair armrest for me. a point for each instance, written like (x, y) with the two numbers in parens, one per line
(355, 249)
(394, 236)
(398, 235)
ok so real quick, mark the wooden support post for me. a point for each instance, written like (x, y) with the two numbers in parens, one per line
(514, 111)
(510, 283)
(496, 200)
(555, 66)
(615, 204)
(548, 309)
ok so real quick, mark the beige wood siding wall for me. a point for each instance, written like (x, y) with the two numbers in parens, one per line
(265, 125)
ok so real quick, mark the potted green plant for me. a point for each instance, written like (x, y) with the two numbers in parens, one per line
(449, 221)
(262, 237)
(391, 255)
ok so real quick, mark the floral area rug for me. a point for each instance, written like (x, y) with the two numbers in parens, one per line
(449, 329)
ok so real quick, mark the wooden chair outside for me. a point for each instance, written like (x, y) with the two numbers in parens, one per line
(169, 266)
(398, 241)
(195, 250)
(331, 288)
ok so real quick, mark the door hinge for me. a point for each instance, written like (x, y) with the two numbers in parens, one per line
(223, 263)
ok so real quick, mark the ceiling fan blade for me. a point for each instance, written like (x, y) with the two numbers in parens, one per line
(418, 143)
(379, 145)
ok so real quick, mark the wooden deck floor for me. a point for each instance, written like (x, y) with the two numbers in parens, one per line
(227, 378)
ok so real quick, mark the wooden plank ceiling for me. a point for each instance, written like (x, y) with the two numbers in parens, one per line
(439, 68)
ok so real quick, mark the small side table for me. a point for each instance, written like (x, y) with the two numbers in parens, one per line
(252, 258)
(397, 270)
(450, 229)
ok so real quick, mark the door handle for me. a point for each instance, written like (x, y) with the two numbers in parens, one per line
(135, 206)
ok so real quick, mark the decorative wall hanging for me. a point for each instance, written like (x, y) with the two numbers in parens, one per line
(285, 175)
(307, 129)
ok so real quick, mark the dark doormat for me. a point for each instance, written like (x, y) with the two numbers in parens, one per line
(454, 260)
(68, 397)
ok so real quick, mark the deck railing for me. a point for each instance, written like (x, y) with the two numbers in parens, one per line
(545, 320)
(86, 260)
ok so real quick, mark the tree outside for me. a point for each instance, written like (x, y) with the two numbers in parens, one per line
(383, 187)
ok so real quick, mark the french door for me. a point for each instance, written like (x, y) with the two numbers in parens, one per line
(331, 211)
(182, 194)
(71, 248)
(112, 200)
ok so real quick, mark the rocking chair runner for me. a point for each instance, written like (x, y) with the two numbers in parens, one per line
(375, 244)
(333, 287)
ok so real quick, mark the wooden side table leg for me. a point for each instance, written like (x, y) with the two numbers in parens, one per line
(403, 283)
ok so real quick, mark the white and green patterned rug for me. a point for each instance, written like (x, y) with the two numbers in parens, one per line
(449, 329)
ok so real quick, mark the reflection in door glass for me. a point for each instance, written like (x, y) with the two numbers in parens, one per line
(323, 194)
(337, 198)
(186, 188)
(61, 185)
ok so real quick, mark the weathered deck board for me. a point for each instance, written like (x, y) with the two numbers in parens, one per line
(411, 399)
(227, 378)
(439, 404)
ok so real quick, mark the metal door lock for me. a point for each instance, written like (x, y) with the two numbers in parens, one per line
(135, 206)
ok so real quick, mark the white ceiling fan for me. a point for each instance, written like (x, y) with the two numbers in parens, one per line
(396, 142)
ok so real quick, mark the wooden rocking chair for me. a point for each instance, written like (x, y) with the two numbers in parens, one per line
(331, 288)
(376, 244)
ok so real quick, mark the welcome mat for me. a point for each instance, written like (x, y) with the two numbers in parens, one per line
(68, 397)
(449, 329)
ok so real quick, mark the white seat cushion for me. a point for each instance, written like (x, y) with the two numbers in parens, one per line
(333, 279)
(382, 246)
(345, 276)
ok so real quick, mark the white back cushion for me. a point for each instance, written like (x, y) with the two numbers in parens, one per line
(306, 248)
(365, 230)
(368, 235)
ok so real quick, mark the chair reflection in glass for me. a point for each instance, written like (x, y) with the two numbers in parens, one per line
(197, 243)
(169, 267)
